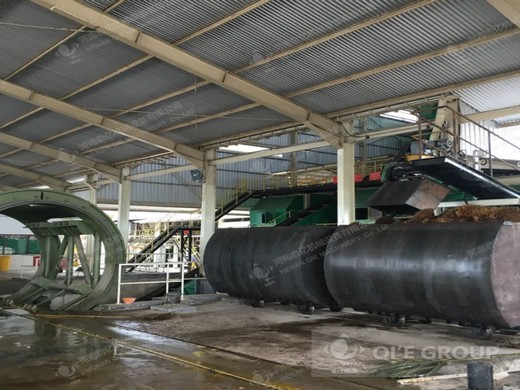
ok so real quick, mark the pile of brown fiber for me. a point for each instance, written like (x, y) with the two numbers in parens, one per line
(468, 213)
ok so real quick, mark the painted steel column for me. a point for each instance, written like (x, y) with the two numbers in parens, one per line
(209, 203)
(125, 194)
(346, 185)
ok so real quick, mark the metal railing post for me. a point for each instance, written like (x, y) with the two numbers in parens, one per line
(182, 281)
(120, 267)
(167, 280)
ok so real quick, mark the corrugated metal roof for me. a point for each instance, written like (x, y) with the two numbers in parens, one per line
(24, 159)
(56, 168)
(84, 140)
(12, 181)
(207, 100)
(513, 119)
(12, 108)
(140, 84)
(124, 152)
(81, 60)
(243, 121)
(21, 44)
(175, 19)
(5, 148)
(417, 32)
(41, 126)
(455, 67)
(269, 29)
(491, 96)
(279, 25)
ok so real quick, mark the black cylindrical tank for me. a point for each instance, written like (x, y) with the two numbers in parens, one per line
(468, 272)
(273, 264)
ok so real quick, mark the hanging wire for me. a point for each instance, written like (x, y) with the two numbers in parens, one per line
(45, 27)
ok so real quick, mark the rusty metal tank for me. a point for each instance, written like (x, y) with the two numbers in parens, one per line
(466, 272)
(282, 264)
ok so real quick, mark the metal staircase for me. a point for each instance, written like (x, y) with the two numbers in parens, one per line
(232, 204)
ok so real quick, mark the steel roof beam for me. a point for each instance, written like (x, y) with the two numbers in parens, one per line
(106, 170)
(193, 155)
(31, 175)
(509, 8)
(324, 127)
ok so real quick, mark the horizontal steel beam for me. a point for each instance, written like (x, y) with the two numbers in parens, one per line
(269, 152)
(106, 170)
(38, 177)
(509, 8)
(24, 94)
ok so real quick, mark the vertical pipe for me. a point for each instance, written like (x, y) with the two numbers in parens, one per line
(125, 193)
(346, 185)
(183, 244)
(490, 155)
(182, 283)
(209, 197)
(119, 271)
(190, 244)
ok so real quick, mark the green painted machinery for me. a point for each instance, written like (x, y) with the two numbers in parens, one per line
(62, 223)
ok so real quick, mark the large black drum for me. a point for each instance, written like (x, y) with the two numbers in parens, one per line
(282, 264)
(467, 272)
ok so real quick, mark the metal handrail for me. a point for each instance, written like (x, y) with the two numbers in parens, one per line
(167, 266)
(287, 215)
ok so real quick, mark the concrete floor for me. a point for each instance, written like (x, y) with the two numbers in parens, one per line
(230, 345)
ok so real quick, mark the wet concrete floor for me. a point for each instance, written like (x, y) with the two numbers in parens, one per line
(40, 355)
(85, 353)
(227, 345)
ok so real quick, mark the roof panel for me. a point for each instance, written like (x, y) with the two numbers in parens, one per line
(280, 25)
(207, 100)
(41, 126)
(455, 67)
(81, 60)
(24, 159)
(19, 44)
(140, 84)
(510, 120)
(175, 19)
(424, 30)
(5, 149)
(13, 180)
(491, 96)
(55, 169)
(125, 152)
(11, 108)
(84, 140)
(252, 119)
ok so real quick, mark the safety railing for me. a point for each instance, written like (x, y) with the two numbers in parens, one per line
(168, 268)
(457, 141)
(280, 218)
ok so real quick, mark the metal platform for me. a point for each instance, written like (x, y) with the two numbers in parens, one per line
(455, 173)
